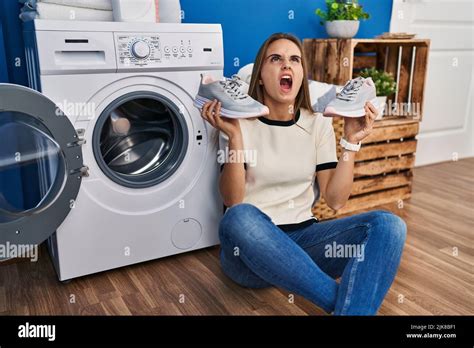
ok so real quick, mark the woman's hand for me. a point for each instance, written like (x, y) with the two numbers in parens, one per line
(356, 129)
(211, 112)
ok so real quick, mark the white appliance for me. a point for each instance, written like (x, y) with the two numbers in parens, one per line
(125, 166)
(135, 11)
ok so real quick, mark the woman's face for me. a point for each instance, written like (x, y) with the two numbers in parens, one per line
(282, 71)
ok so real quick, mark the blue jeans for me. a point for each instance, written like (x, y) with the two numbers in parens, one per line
(364, 250)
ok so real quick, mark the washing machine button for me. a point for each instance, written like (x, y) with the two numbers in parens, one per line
(140, 49)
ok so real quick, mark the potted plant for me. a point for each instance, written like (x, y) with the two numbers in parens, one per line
(342, 18)
(385, 86)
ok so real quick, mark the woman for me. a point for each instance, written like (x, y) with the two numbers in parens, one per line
(268, 234)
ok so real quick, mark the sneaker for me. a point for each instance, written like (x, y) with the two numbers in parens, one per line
(321, 94)
(230, 92)
(351, 100)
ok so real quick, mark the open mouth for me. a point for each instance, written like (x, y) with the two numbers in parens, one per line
(286, 82)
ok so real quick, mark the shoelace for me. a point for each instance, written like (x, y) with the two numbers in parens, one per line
(350, 90)
(232, 86)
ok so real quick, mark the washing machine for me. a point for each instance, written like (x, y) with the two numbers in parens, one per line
(105, 157)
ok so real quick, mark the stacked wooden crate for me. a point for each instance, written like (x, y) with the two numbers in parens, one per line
(384, 166)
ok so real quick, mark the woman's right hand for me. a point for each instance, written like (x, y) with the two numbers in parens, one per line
(211, 112)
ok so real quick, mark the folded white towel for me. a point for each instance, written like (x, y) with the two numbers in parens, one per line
(105, 5)
(53, 11)
(170, 11)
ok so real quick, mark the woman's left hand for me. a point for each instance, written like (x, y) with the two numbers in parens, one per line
(356, 129)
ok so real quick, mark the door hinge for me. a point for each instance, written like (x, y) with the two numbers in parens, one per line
(80, 138)
(82, 172)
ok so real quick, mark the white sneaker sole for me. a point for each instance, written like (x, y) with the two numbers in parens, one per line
(200, 101)
(355, 113)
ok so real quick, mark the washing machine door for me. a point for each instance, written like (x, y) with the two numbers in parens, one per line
(41, 168)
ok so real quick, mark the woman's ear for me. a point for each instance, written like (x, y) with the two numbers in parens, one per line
(260, 82)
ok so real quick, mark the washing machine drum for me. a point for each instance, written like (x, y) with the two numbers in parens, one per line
(140, 141)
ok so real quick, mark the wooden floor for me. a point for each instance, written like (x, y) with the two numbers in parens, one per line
(432, 279)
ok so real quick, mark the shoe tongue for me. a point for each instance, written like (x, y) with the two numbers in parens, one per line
(234, 82)
(356, 82)
(350, 86)
(230, 79)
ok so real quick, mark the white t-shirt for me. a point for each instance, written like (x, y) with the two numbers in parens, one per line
(281, 161)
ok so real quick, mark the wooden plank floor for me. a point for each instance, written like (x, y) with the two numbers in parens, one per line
(432, 279)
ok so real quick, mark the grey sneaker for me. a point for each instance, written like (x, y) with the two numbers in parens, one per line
(351, 100)
(321, 101)
(230, 92)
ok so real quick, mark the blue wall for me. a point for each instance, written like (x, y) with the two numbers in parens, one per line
(246, 24)
(13, 42)
(3, 59)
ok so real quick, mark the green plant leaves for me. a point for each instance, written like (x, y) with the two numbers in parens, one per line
(342, 10)
(385, 84)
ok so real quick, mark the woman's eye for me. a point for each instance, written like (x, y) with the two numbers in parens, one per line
(295, 59)
(275, 59)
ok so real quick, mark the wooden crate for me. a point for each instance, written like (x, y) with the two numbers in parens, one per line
(337, 61)
(384, 166)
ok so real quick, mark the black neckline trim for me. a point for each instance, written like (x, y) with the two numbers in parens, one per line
(280, 123)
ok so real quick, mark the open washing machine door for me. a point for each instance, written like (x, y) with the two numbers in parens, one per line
(41, 168)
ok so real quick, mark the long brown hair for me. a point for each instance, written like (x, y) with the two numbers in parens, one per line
(256, 89)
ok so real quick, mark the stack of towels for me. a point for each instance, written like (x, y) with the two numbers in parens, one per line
(79, 10)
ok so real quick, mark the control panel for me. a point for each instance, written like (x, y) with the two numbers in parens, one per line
(168, 50)
(138, 50)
